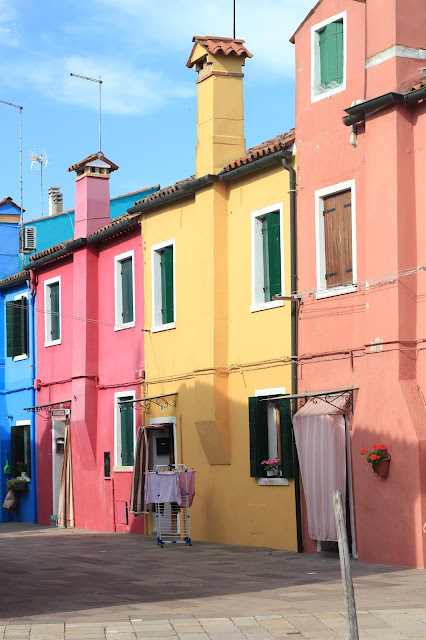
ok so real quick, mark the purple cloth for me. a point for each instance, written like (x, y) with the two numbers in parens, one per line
(162, 487)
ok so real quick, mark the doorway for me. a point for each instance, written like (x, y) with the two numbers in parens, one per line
(58, 441)
(162, 451)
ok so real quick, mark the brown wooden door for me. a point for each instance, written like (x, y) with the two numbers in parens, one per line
(337, 214)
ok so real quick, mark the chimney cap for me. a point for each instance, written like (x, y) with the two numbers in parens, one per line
(214, 45)
(95, 160)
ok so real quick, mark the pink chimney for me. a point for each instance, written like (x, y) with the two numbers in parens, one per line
(92, 198)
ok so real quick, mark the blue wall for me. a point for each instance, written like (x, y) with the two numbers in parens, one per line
(54, 229)
(9, 244)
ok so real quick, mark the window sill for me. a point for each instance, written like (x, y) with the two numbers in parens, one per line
(53, 343)
(128, 325)
(318, 94)
(337, 291)
(23, 356)
(272, 482)
(122, 469)
(262, 306)
(163, 327)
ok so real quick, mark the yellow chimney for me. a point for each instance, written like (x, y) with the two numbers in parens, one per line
(220, 119)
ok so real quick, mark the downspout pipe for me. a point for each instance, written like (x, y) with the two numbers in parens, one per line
(294, 342)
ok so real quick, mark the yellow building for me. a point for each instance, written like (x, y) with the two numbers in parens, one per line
(216, 250)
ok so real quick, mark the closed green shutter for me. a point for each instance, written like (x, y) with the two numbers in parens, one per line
(17, 327)
(55, 327)
(286, 437)
(167, 294)
(331, 53)
(126, 419)
(127, 290)
(17, 449)
(271, 255)
(258, 426)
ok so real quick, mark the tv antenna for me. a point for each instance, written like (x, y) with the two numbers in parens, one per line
(99, 81)
(38, 159)
(17, 106)
(235, 1)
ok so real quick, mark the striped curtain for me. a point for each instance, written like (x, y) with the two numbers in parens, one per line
(319, 431)
(66, 498)
(140, 468)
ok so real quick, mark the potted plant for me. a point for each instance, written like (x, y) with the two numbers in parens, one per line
(17, 484)
(378, 458)
(272, 466)
(22, 469)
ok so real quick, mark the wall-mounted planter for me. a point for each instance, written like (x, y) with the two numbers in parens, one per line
(382, 468)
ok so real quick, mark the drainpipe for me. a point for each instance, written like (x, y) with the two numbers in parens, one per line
(294, 317)
(32, 345)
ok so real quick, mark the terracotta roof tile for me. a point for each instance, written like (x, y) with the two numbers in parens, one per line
(213, 45)
(264, 149)
(21, 275)
(49, 250)
(93, 156)
(166, 191)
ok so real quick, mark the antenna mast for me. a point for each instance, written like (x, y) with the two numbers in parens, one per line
(99, 81)
(17, 106)
(38, 158)
(234, 18)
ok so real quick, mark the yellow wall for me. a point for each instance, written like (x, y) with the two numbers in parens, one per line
(219, 354)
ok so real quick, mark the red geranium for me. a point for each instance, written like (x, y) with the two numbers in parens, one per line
(379, 452)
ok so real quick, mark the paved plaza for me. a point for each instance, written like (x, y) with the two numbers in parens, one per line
(73, 584)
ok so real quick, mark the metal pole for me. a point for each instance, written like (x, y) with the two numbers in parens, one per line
(100, 113)
(20, 163)
(234, 18)
(345, 566)
(41, 185)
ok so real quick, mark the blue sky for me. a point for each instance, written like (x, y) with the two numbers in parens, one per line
(140, 49)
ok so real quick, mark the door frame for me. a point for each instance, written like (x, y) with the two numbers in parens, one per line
(172, 421)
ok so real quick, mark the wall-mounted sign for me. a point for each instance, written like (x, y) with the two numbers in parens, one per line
(60, 413)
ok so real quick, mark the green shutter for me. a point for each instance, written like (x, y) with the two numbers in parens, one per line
(258, 426)
(286, 437)
(331, 53)
(17, 451)
(271, 255)
(127, 290)
(167, 294)
(126, 420)
(55, 327)
(17, 327)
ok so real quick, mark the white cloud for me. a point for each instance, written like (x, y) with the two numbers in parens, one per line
(8, 31)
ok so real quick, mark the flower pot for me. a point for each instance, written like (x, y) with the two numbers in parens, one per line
(382, 468)
(272, 473)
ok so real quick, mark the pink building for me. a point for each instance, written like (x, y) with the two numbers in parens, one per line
(361, 246)
(90, 358)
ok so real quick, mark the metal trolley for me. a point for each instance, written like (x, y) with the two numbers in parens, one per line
(172, 521)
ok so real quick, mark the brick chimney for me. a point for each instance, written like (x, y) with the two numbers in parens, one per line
(220, 121)
(92, 197)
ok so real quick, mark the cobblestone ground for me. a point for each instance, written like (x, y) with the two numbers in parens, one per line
(58, 584)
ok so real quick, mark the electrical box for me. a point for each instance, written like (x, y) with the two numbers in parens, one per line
(107, 464)
(163, 446)
(60, 445)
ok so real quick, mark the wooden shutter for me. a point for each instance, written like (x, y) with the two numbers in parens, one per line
(55, 327)
(286, 438)
(17, 327)
(167, 294)
(337, 214)
(127, 290)
(258, 426)
(17, 453)
(271, 255)
(24, 324)
(331, 53)
(126, 423)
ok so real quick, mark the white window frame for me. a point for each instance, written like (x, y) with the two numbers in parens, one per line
(172, 421)
(257, 266)
(320, 194)
(272, 430)
(47, 316)
(118, 298)
(23, 356)
(117, 433)
(318, 91)
(156, 286)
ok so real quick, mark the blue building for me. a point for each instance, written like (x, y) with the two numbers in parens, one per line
(58, 227)
(17, 369)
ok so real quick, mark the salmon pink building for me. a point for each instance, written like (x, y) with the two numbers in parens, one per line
(360, 136)
(91, 358)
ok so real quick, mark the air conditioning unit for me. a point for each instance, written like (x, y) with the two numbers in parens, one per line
(27, 239)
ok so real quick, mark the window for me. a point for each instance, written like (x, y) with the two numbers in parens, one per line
(17, 327)
(336, 239)
(52, 304)
(163, 286)
(124, 432)
(328, 58)
(270, 432)
(124, 291)
(20, 449)
(267, 257)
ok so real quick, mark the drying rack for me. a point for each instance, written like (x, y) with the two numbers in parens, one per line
(172, 521)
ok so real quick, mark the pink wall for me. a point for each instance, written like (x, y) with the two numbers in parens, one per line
(387, 165)
(96, 361)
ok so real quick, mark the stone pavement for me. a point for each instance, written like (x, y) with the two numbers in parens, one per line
(73, 584)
